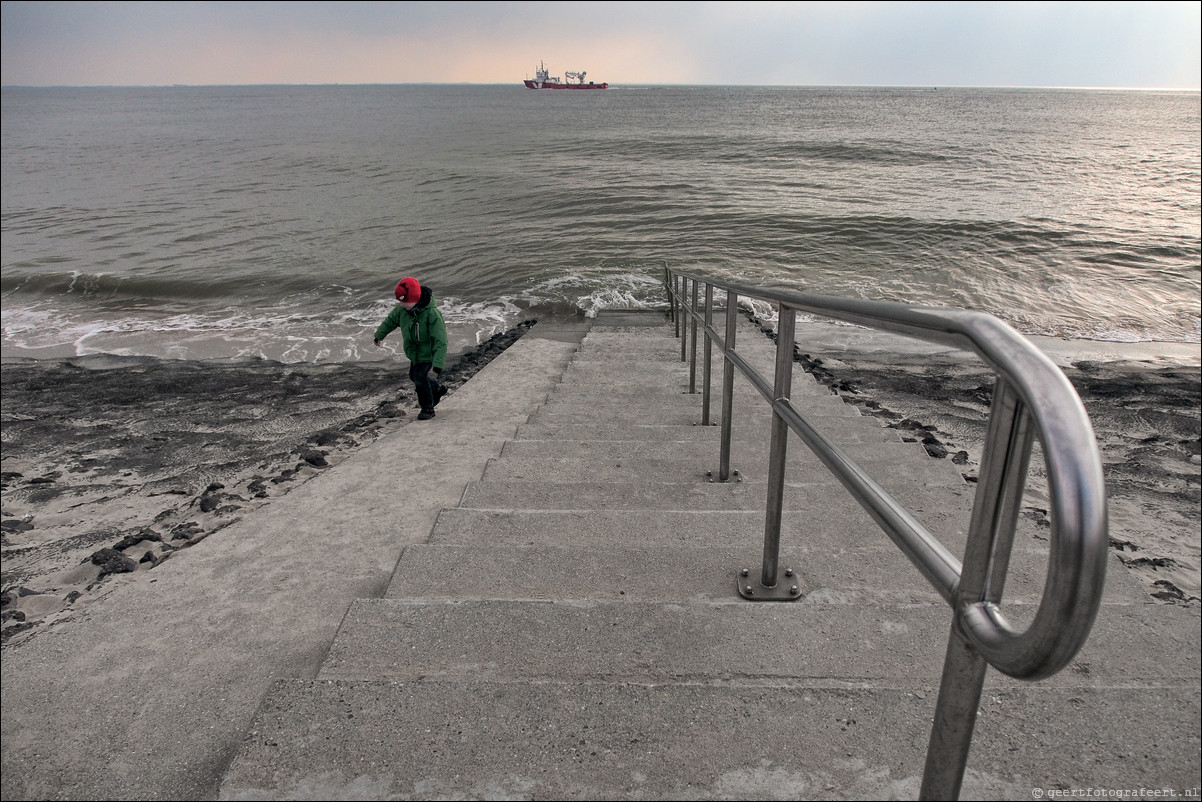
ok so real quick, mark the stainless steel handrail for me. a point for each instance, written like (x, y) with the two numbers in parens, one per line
(1031, 397)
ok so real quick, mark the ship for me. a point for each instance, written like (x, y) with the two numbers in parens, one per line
(543, 79)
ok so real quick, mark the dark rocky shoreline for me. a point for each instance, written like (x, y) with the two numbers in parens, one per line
(1146, 412)
(1146, 421)
(112, 465)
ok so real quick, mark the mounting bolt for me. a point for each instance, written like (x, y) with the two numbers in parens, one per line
(750, 592)
(744, 572)
(788, 572)
(794, 590)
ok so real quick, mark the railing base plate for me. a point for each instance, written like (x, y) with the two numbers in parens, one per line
(787, 587)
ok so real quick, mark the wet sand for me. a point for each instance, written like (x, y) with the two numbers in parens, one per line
(113, 465)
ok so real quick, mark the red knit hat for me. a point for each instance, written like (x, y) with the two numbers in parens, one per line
(408, 290)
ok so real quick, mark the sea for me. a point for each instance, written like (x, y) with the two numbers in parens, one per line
(233, 222)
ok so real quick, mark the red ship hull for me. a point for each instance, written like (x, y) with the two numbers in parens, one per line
(548, 85)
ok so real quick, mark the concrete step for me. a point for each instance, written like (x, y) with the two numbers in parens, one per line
(600, 384)
(669, 376)
(752, 344)
(745, 435)
(895, 466)
(600, 347)
(437, 738)
(757, 350)
(617, 337)
(586, 367)
(892, 465)
(763, 360)
(669, 413)
(653, 404)
(646, 329)
(742, 529)
(622, 460)
(817, 499)
(666, 351)
(605, 360)
(824, 513)
(655, 391)
(767, 644)
(833, 523)
(586, 570)
(686, 450)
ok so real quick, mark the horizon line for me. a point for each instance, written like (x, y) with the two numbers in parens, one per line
(612, 86)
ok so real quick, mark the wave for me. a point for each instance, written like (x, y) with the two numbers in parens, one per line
(277, 221)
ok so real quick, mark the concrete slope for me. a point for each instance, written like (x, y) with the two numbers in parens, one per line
(571, 628)
(148, 692)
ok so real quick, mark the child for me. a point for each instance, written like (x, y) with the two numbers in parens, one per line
(425, 338)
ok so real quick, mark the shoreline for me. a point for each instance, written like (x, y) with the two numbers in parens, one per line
(113, 465)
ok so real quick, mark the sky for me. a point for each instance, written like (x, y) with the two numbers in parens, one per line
(1070, 44)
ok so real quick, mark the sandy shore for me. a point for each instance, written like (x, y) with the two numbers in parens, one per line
(111, 466)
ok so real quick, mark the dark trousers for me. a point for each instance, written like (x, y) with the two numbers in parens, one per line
(425, 381)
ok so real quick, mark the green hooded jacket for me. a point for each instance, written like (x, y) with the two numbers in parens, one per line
(422, 329)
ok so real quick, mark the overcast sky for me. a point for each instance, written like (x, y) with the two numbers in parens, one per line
(1095, 44)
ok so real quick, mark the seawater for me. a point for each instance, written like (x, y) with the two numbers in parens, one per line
(273, 221)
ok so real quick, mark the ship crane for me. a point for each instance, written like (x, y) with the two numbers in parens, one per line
(543, 79)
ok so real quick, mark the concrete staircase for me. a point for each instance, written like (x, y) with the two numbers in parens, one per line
(571, 630)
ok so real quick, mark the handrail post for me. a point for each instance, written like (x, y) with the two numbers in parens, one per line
(782, 389)
(728, 386)
(709, 351)
(674, 292)
(668, 278)
(1008, 444)
(1004, 463)
(955, 717)
(683, 335)
(693, 329)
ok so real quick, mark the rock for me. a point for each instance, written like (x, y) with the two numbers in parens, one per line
(112, 561)
(185, 531)
(934, 447)
(133, 540)
(314, 457)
